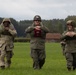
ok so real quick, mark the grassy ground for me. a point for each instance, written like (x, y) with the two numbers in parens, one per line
(22, 63)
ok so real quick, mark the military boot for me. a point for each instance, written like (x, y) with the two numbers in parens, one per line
(69, 69)
(8, 63)
(2, 67)
(74, 68)
(36, 66)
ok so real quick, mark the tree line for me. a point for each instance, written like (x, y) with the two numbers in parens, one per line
(54, 25)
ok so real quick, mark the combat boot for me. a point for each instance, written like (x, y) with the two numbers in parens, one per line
(7, 65)
(74, 68)
(69, 69)
(2, 67)
(36, 67)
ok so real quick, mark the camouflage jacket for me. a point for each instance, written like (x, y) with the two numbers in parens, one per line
(7, 36)
(37, 42)
(70, 45)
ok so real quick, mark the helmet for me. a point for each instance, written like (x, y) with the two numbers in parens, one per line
(6, 20)
(37, 17)
(71, 22)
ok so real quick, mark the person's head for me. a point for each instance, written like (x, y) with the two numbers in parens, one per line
(37, 20)
(70, 25)
(6, 22)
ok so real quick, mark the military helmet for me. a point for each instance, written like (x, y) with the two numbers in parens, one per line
(37, 17)
(6, 20)
(71, 22)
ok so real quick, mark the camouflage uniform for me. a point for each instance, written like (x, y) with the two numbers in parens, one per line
(6, 43)
(37, 45)
(70, 48)
(63, 43)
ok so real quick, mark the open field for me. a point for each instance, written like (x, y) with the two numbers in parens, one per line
(22, 63)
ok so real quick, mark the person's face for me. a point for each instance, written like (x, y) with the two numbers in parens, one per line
(6, 23)
(37, 22)
(70, 27)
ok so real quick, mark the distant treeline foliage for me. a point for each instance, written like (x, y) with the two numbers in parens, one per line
(54, 25)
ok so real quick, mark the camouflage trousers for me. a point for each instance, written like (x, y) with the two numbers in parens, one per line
(38, 56)
(5, 58)
(71, 60)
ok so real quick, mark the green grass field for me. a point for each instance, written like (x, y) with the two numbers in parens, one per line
(22, 63)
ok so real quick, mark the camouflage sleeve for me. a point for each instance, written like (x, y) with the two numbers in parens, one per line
(1, 29)
(45, 29)
(29, 29)
(12, 31)
(63, 43)
(63, 49)
(63, 37)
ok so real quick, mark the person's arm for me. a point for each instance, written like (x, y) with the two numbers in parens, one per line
(1, 29)
(45, 29)
(63, 43)
(12, 31)
(29, 29)
(63, 36)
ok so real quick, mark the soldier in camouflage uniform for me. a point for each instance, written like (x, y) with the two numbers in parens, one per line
(7, 32)
(70, 45)
(38, 33)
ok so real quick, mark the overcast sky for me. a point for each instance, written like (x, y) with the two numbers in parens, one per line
(27, 9)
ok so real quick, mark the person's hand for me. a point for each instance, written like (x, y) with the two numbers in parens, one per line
(71, 34)
(62, 43)
(37, 27)
(68, 33)
(6, 28)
